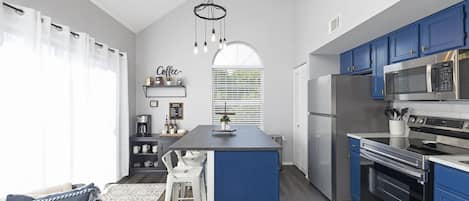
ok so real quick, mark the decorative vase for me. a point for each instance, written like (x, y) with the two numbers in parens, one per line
(224, 125)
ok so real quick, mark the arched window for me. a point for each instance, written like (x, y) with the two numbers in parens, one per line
(238, 80)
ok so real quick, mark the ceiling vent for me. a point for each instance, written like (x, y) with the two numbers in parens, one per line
(334, 24)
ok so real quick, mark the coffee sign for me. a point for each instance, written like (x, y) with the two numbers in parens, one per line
(168, 71)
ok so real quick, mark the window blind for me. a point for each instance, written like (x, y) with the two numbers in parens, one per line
(243, 91)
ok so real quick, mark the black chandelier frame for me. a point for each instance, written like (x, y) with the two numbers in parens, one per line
(201, 7)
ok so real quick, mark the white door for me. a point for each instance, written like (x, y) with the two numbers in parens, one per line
(300, 118)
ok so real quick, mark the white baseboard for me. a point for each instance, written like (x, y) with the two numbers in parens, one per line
(287, 163)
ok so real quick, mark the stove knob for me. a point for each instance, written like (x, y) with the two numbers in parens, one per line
(412, 119)
(421, 121)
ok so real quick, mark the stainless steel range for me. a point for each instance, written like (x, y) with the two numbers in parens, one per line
(397, 168)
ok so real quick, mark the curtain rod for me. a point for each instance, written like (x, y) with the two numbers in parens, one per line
(58, 27)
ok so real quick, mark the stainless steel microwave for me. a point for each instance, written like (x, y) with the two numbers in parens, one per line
(443, 76)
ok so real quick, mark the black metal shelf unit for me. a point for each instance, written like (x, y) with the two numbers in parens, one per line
(140, 158)
(163, 144)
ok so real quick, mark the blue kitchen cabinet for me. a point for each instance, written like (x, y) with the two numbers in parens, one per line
(355, 168)
(379, 59)
(404, 43)
(442, 31)
(450, 184)
(356, 61)
(346, 62)
(362, 58)
(247, 176)
(442, 194)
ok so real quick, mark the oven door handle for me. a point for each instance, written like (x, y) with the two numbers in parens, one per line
(405, 169)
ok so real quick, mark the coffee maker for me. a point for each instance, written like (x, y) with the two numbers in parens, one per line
(143, 125)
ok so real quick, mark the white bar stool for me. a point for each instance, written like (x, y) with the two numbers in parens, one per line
(181, 176)
(190, 159)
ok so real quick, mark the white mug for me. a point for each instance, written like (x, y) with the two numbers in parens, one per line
(145, 148)
(148, 164)
(136, 149)
(154, 149)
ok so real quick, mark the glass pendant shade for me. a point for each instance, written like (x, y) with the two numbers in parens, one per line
(214, 37)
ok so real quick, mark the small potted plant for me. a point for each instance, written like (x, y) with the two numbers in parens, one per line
(225, 120)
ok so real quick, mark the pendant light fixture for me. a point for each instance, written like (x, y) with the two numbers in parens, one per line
(196, 48)
(220, 45)
(213, 13)
(205, 36)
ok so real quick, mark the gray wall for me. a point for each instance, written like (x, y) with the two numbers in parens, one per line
(266, 25)
(83, 16)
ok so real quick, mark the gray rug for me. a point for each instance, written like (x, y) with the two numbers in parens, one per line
(134, 192)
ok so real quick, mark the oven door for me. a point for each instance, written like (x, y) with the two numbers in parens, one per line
(383, 179)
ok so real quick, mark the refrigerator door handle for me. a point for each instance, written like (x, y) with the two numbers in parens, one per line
(322, 115)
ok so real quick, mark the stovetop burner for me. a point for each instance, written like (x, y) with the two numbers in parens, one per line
(420, 146)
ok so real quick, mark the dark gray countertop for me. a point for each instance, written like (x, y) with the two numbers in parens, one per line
(246, 138)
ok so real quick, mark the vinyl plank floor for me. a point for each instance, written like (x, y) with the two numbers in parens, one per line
(293, 184)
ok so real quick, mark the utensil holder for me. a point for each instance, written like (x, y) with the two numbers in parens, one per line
(397, 128)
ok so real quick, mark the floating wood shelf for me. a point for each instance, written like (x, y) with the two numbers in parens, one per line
(173, 135)
(175, 91)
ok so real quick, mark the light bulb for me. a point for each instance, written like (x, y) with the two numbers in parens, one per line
(224, 43)
(196, 49)
(221, 44)
(214, 37)
(205, 47)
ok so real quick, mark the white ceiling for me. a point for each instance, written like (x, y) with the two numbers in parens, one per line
(137, 14)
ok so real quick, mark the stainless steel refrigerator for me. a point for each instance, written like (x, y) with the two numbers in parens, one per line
(338, 104)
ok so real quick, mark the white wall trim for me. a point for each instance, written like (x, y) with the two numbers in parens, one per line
(287, 163)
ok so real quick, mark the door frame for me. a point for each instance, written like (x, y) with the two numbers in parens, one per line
(305, 67)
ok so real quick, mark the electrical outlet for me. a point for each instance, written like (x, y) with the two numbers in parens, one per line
(153, 103)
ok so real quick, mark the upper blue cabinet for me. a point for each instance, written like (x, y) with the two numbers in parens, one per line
(404, 43)
(439, 32)
(361, 58)
(379, 59)
(442, 31)
(346, 62)
(356, 61)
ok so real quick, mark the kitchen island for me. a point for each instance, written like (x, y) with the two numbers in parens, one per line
(243, 166)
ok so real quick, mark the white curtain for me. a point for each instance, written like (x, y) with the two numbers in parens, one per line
(63, 105)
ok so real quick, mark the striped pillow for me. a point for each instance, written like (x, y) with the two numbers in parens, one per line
(85, 193)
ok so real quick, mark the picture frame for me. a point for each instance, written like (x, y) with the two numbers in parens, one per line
(176, 111)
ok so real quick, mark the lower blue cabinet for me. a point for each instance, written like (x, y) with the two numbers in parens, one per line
(355, 168)
(247, 176)
(450, 184)
(442, 194)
